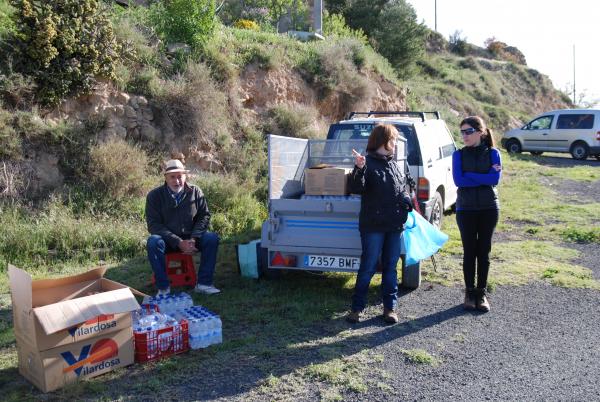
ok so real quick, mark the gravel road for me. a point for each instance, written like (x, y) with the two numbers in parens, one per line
(539, 342)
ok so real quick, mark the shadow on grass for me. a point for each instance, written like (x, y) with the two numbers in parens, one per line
(270, 328)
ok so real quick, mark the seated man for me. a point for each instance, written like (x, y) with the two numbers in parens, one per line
(177, 217)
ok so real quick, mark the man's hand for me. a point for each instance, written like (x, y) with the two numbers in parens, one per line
(498, 168)
(359, 160)
(188, 246)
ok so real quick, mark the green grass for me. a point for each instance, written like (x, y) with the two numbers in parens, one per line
(420, 356)
(265, 321)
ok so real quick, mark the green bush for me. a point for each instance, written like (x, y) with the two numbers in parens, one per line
(117, 169)
(7, 25)
(335, 25)
(64, 45)
(294, 121)
(233, 208)
(184, 21)
(10, 142)
(196, 104)
(458, 44)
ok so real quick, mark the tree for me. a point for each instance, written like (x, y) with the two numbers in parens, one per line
(64, 45)
(398, 36)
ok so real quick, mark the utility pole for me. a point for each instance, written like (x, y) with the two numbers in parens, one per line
(435, 12)
(574, 97)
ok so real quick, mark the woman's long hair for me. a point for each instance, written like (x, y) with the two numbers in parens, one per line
(478, 124)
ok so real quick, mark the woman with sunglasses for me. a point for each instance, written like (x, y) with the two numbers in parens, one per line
(476, 170)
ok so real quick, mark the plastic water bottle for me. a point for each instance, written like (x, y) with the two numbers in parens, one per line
(219, 332)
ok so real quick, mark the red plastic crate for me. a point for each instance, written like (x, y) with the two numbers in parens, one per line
(154, 345)
(180, 270)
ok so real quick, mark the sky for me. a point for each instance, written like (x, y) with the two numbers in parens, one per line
(544, 31)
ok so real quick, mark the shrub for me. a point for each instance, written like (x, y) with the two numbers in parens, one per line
(468, 63)
(13, 181)
(335, 25)
(329, 67)
(196, 105)
(294, 121)
(7, 25)
(247, 24)
(10, 142)
(187, 21)
(17, 91)
(117, 168)
(233, 208)
(64, 45)
(458, 44)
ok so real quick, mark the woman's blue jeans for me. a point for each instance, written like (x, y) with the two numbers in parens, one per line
(375, 244)
(207, 245)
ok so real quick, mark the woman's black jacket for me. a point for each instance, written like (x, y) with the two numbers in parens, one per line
(384, 197)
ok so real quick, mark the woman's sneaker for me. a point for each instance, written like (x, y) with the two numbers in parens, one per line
(206, 289)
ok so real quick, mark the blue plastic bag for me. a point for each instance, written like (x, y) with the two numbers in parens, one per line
(247, 261)
(421, 239)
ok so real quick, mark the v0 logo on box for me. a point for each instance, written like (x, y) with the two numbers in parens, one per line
(102, 354)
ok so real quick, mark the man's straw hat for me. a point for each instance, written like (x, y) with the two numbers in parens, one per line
(174, 166)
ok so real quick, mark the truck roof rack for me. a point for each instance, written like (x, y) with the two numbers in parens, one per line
(394, 113)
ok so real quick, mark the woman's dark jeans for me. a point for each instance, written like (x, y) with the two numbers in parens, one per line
(476, 230)
(375, 244)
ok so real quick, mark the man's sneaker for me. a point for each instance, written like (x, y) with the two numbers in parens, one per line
(353, 317)
(163, 292)
(206, 289)
(390, 316)
(469, 299)
(482, 302)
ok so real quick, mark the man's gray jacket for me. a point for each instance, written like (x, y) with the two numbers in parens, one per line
(188, 219)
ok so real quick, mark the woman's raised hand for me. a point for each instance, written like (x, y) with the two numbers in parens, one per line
(359, 160)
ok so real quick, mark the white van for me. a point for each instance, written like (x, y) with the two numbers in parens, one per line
(576, 131)
(429, 155)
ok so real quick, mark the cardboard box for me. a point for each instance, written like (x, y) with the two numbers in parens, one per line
(321, 180)
(70, 319)
(51, 369)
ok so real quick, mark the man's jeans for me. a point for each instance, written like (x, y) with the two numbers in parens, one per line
(207, 245)
(374, 244)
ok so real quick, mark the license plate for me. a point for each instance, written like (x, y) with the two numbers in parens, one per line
(331, 261)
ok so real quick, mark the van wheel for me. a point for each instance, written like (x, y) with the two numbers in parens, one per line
(513, 146)
(437, 211)
(580, 150)
(536, 153)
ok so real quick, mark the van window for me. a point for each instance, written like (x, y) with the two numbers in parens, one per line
(448, 150)
(363, 130)
(541, 123)
(575, 121)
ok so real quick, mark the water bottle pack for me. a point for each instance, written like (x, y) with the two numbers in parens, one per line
(205, 327)
(157, 335)
(169, 304)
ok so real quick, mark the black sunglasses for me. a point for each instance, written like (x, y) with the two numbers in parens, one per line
(468, 131)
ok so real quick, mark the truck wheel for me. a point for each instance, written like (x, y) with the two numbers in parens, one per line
(262, 263)
(580, 151)
(513, 146)
(437, 211)
(411, 275)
